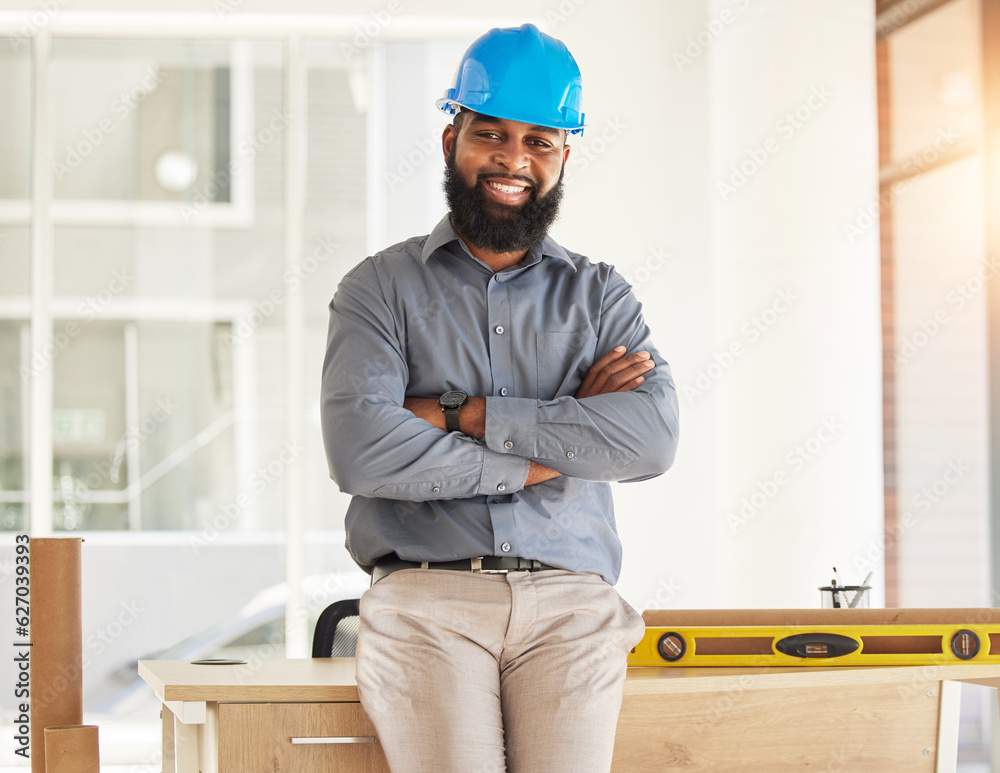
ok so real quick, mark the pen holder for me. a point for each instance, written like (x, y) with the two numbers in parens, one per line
(845, 596)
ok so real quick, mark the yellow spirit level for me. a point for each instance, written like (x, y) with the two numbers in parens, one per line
(817, 638)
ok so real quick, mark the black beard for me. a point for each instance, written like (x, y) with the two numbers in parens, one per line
(491, 226)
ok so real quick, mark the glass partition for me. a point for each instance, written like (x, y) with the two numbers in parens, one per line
(934, 66)
(15, 248)
(167, 242)
(933, 206)
(15, 166)
(13, 428)
(15, 129)
(141, 120)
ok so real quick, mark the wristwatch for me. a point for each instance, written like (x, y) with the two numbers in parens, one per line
(451, 403)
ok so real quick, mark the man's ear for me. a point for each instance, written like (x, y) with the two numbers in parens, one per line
(566, 150)
(448, 139)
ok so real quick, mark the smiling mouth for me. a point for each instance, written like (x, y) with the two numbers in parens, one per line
(505, 188)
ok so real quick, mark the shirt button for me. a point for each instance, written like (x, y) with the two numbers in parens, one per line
(508, 445)
(436, 489)
(570, 454)
(503, 391)
(501, 487)
(499, 329)
(505, 547)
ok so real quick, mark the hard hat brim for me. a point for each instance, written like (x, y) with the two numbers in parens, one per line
(450, 106)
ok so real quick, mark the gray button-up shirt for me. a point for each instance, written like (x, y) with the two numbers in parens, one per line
(426, 316)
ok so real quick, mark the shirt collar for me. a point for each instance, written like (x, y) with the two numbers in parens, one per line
(444, 234)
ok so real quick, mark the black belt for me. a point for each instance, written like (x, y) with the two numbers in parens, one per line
(480, 565)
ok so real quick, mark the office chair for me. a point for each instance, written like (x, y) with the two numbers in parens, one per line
(336, 634)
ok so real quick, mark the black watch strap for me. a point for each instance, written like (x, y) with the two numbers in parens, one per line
(452, 419)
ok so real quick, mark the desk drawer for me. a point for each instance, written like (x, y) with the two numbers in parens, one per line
(877, 728)
(297, 737)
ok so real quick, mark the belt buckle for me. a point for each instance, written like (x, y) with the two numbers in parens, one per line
(477, 567)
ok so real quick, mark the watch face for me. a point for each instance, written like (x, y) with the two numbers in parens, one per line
(453, 399)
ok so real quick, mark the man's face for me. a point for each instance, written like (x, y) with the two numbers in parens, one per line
(503, 180)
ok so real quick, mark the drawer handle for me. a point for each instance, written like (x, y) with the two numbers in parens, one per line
(338, 739)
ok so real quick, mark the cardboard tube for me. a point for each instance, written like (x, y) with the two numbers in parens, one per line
(71, 749)
(56, 639)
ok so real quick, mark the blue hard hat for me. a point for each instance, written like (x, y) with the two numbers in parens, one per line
(520, 74)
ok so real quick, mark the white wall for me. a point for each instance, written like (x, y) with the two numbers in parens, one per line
(798, 429)
(702, 87)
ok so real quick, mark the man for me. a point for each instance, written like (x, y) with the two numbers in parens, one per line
(482, 387)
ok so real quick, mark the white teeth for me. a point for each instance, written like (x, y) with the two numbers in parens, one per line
(506, 188)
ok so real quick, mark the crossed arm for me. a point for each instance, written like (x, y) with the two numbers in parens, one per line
(619, 425)
(616, 371)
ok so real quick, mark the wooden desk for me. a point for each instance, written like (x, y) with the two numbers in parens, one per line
(240, 719)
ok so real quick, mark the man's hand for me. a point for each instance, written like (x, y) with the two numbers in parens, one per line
(539, 473)
(616, 371)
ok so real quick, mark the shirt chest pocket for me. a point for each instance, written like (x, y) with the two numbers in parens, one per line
(561, 361)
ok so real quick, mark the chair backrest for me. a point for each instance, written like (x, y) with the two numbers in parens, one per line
(336, 634)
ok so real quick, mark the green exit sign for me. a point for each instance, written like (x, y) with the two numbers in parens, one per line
(78, 426)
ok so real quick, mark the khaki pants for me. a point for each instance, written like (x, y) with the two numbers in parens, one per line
(484, 673)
